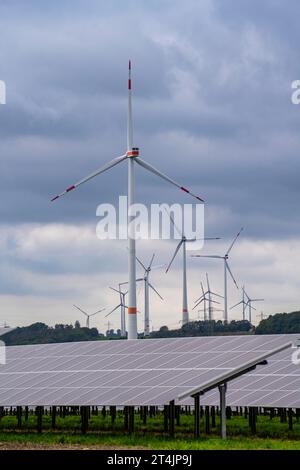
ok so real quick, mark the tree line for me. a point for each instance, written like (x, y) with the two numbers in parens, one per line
(40, 333)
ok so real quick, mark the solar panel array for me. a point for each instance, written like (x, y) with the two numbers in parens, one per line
(140, 372)
(276, 385)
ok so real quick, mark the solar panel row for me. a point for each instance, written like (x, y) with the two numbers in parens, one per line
(149, 372)
(276, 385)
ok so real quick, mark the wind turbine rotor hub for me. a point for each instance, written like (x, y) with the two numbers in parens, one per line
(134, 152)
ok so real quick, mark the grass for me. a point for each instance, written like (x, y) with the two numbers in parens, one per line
(271, 434)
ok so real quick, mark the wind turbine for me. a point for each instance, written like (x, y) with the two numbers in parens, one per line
(123, 306)
(226, 268)
(147, 284)
(249, 303)
(132, 157)
(210, 301)
(182, 243)
(207, 297)
(203, 299)
(88, 315)
(243, 302)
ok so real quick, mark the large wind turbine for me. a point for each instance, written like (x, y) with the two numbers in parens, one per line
(132, 157)
(88, 315)
(182, 243)
(147, 284)
(226, 268)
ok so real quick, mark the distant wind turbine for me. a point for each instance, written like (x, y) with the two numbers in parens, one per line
(88, 315)
(226, 268)
(207, 297)
(250, 307)
(242, 302)
(132, 157)
(147, 284)
(122, 305)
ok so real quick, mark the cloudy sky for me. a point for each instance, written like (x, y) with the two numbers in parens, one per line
(212, 109)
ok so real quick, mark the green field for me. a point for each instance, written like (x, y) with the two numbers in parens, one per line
(271, 434)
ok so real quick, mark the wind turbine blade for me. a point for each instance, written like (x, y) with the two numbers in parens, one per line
(82, 311)
(197, 300)
(113, 310)
(246, 295)
(200, 302)
(202, 288)
(173, 222)
(227, 266)
(129, 121)
(104, 168)
(150, 264)
(207, 281)
(202, 239)
(257, 300)
(112, 288)
(234, 240)
(166, 178)
(153, 288)
(174, 256)
(241, 302)
(139, 261)
(98, 311)
(215, 302)
(217, 295)
(207, 256)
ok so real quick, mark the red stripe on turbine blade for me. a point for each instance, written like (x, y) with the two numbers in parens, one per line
(129, 84)
(54, 198)
(184, 189)
(70, 188)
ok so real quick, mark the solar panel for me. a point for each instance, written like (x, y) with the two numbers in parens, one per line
(275, 385)
(139, 372)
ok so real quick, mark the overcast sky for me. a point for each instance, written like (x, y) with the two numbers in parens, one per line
(212, 109)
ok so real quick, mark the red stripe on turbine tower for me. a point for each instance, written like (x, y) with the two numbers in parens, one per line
(132, 310)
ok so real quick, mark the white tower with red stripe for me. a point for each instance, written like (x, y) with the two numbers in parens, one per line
(132, 155)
